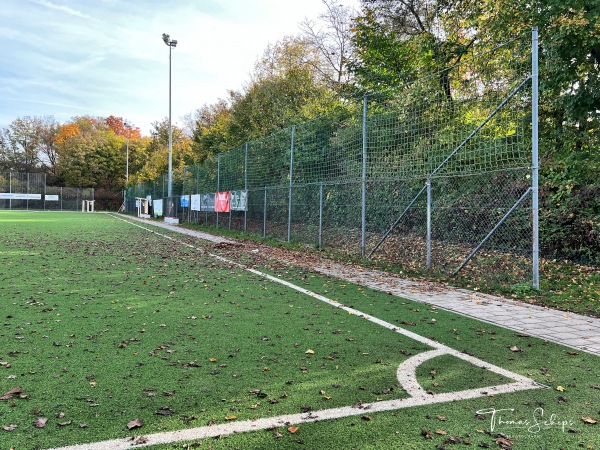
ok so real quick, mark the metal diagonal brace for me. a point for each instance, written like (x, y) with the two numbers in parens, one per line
(387, 233)
(493, 231)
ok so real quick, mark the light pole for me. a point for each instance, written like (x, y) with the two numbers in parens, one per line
(127, 129)
(170, 43)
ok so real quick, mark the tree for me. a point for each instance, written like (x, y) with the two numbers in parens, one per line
(20, 145)
(331, 38)
(91, 154)
(211, 130)
(47, 129)
(284, 89)
(157, 151)
(396, 41)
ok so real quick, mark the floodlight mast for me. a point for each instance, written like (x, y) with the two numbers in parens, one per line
(170, 43)
(127, 130)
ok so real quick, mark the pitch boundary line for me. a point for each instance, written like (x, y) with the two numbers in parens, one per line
(406, 375)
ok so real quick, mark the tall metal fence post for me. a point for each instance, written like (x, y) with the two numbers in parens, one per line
(289, 234)
(218, 182)
(197, 214)
(10, 189)
(535, 156)
(265, 214)
(61, 198)
(363, 215)
(27, 201)
(429, 223)
(246, 186)
(321, 216)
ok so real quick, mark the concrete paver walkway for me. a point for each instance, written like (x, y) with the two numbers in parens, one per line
(569, 329)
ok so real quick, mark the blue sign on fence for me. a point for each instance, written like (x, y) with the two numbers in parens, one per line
(185, 201)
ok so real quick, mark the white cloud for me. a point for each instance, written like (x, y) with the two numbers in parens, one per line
(62, 8)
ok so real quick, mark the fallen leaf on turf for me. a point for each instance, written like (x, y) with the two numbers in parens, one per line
(589, 420)
(232, 417)
(136, 423)
(514, 348)
(310, 352)
(293, 429)
(9, 428)
(365, 417)
(441, 432)
(504, 443)
(4, 364)
(64, 424)
(426, 433)
(8, 395)
(41, 422)
(572, 353)
(560, 388)
(442, 418)
(213, 360)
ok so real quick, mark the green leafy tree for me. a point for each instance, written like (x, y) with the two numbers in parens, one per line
(285, 89)
(396, 41)
(211, 130)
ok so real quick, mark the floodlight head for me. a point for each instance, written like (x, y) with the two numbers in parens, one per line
(167, 40)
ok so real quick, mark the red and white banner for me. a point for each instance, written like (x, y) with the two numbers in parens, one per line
(222, 200)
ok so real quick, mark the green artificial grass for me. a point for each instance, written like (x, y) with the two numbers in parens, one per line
(102, 322)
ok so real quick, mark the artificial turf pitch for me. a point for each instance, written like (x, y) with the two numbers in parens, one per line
(104, 323)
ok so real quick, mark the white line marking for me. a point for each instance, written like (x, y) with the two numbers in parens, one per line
(406, 375)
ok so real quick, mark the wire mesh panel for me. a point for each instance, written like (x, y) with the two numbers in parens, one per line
(28, 191)
(269, 160)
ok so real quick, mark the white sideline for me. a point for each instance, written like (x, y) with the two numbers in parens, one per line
(406, 375)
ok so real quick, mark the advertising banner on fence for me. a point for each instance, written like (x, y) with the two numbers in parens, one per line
(239, 200)
(208, 202)
(158, 208)
(11, 196)
(184, 201)
(195, 201)
(51, 198)
(222, 201)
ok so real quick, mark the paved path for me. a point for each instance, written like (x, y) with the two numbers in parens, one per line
(572, 330)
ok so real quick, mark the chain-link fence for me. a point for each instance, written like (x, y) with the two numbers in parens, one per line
(28, 191)
(438, 174)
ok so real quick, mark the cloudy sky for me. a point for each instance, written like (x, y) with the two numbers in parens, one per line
(68, 58)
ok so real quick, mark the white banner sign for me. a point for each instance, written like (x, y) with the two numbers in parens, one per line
(51, 198)
(15, 196)
(239, 200)
(158, 208)
(196, 199)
